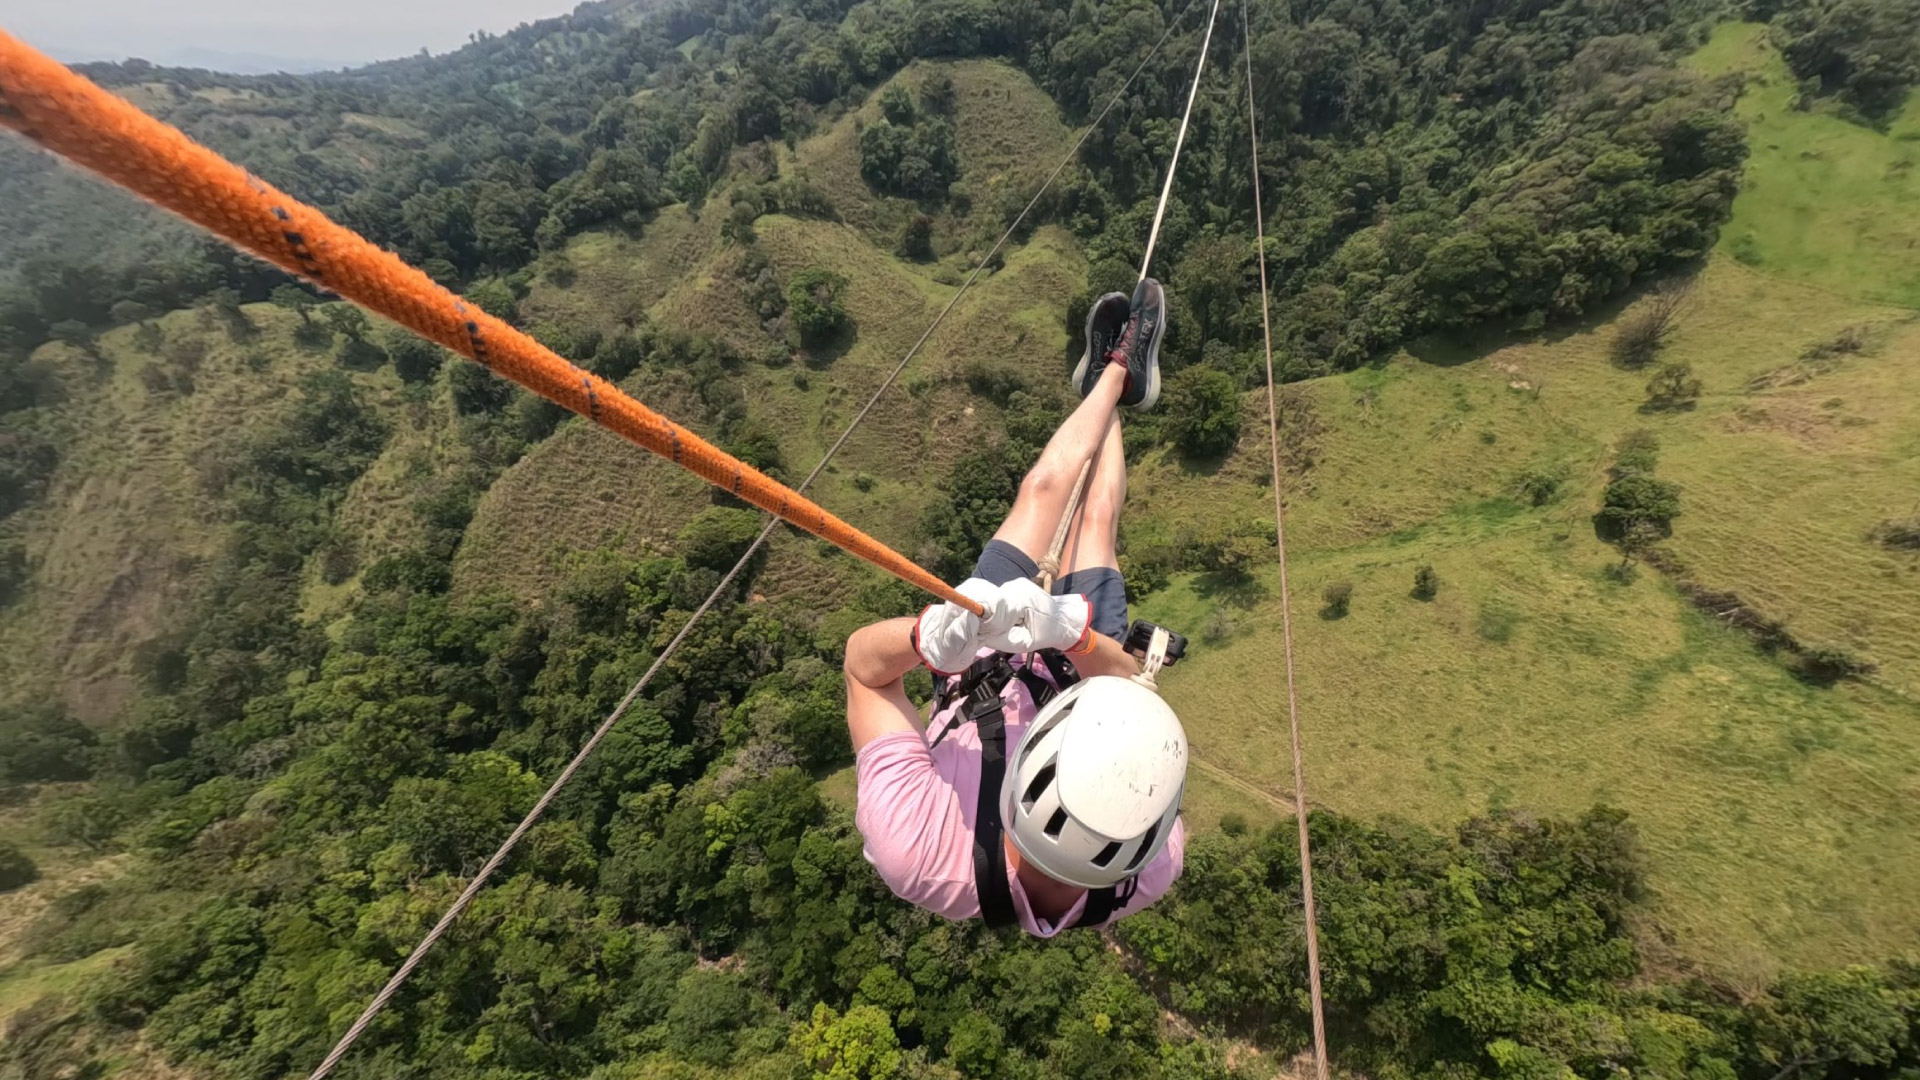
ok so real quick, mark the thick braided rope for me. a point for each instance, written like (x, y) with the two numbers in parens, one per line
(1286, 599)
(499, 857)
(47, 103)
(1173, 165)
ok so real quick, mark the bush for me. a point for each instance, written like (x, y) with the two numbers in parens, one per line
(1538, 486)
(1233, 823)
(1673, 388)
(1825, 665)
(1645, 331)
(1426, 583)
(16, 869)
(1336, 600)
(1203, 413)
(1639, 451)
(14, 570)
(1900, 535)
(916, 238)
(413, 571)
(1495, 622)
(813, 303)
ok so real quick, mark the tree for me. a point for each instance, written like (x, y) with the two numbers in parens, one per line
(717, 536)
(897, 105)
(16, 869)
(858, 1046)
(937, 95)
(1426, 583)
(39, 745)
(346, 320)
(813, 302)
(1203, 415)
(916, 238)
(295, 299)
(477, 390)
(415, 359)
(1674, 387)
(1638, 499)
(1644, 332)
(1336, 599)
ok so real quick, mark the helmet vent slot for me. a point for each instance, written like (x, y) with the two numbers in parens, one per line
(1107, 853)
(1041, 781)
(1146, 845)
(1056, 823)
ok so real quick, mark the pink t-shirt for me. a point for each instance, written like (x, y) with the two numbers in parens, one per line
(916, 810)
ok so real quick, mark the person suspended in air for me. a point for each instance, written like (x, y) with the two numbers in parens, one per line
(1044, 787)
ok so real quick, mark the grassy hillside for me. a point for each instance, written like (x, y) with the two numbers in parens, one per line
(121, 542)
(1778, 817)
(1826, 200)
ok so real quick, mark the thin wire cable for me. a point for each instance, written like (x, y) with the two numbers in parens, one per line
(1173, 166)
(1286, 598)
(499, 857)
(1050, 565)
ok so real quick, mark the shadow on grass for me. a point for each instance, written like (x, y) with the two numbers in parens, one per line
(821, 356)
(1451, 348)
(1230, 590)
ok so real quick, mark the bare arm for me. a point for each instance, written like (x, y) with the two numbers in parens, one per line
(878, 658)
(1107, 658)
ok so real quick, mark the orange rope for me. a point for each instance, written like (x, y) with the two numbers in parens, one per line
(44, 101)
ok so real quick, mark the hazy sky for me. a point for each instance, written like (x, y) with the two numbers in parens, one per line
(329, 31)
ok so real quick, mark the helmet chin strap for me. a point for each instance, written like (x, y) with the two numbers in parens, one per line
(1156, 657)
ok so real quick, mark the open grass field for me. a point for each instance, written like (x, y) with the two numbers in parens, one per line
(1781, 821)
(1825, 200)
(1007, 135)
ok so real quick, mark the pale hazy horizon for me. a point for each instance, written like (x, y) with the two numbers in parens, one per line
(260, 35)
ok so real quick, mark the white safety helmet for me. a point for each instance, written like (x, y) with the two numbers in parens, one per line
(1092, 791)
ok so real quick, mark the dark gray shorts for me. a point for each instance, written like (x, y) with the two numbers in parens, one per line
(1101, 585)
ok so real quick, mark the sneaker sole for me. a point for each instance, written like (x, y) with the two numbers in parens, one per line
(1152, 395)
(1086, 354)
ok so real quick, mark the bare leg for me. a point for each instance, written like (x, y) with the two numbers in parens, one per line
(1048, 486)
(1096, 527)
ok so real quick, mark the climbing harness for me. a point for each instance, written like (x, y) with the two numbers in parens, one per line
(986, 695)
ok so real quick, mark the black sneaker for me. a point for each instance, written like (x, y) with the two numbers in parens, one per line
(1106, 321)
(1139, 346)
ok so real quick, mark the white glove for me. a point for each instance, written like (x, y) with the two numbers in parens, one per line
(1037, 620)
(948, 635)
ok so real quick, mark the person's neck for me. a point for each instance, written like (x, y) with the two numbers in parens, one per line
(1049, 898)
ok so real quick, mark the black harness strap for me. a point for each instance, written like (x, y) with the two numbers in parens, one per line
(989, 856)
(982, 685)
